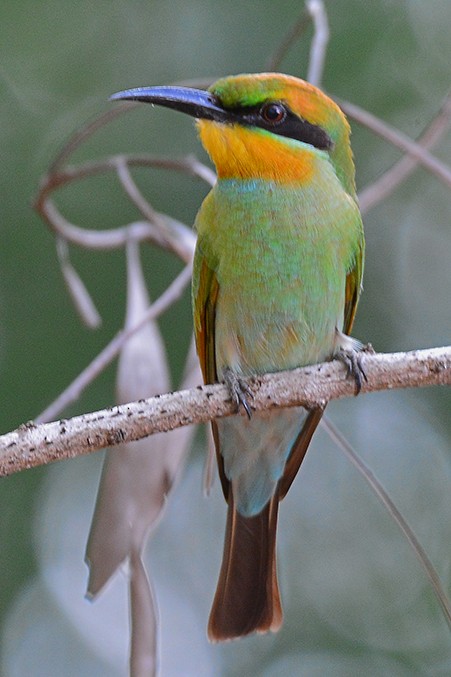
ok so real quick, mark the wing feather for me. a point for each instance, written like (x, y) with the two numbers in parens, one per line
(353, 288)
(205, 298)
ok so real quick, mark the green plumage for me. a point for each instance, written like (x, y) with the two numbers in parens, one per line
(277, 277)
(280, 255)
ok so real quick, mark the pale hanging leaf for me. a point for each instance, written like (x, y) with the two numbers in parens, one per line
(130, 498)
(135, 477)
(80, 296)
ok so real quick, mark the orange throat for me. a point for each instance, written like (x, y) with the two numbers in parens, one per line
(244, 153)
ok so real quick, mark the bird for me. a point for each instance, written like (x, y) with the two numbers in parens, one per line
(277, 278)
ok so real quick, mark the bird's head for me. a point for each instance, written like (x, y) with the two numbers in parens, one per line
(267, 125)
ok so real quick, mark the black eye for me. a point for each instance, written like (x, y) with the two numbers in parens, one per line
(273, 113)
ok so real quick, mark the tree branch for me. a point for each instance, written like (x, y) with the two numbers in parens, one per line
(31, 445)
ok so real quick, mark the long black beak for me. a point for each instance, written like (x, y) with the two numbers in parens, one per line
(195, 102)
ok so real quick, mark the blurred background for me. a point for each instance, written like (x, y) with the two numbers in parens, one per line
(355, 597)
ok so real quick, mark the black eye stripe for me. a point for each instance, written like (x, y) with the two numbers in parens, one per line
(291, 126)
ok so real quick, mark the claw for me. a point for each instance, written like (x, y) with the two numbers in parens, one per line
(368, 349)
(238, 389)
(353, 363)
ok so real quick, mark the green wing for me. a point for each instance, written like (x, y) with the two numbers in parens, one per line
(205, 295)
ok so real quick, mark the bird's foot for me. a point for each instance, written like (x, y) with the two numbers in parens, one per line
(239, 391)
(352, 359)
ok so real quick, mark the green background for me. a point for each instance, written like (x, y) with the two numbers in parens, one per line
(59, 63)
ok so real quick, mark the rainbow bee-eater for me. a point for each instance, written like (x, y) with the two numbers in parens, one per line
(277, 277)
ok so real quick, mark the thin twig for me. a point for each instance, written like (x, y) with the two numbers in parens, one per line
(79, 294)
(165, 235)
(113, 348)
(319, 42)
(188, 165)
(398, 139)
(313, 386)
(135, 195)
(396, 515)
(161, 229)
(117, 238)
(386, 184)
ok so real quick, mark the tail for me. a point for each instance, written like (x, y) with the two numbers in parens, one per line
(247, 598)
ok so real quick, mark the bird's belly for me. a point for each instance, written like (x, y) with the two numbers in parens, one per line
(262, 333)
(257, 335)
(280, 258)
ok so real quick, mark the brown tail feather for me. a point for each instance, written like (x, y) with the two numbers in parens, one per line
(247, 598)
